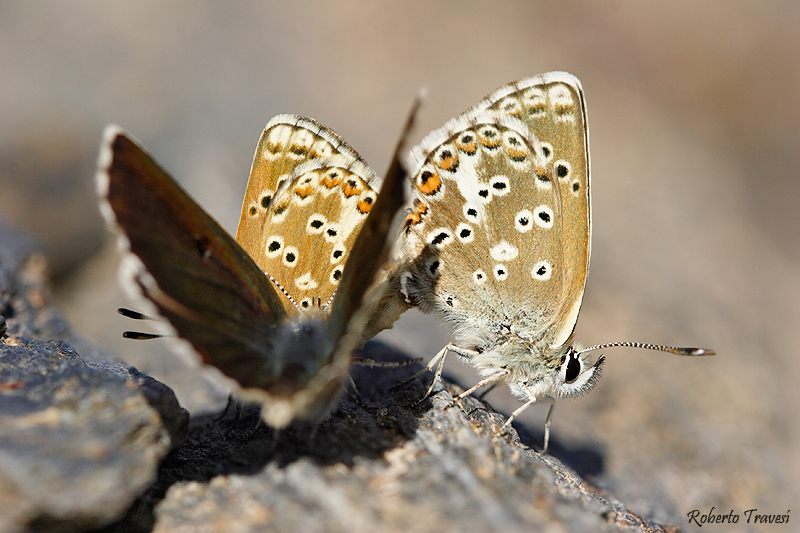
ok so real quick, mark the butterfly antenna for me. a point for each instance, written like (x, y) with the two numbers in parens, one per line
(135, 315)
(693, 352)
(137, 335)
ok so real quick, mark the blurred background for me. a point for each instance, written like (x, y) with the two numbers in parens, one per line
(694, 119)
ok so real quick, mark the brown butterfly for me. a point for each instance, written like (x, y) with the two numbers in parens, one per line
(282, 310)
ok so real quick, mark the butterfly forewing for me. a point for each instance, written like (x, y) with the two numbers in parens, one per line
(484, 222)
(552, 106)
(197, 276)
(307, 198)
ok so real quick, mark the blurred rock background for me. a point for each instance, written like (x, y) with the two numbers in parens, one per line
(694, 121)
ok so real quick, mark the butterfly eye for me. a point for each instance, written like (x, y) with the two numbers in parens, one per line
(571, 367)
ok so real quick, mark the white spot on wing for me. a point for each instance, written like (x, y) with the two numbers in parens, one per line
(484, 194)
(290, 256)
(440, 237)
(504, 251)
(472, 212)
(331, 232)
(543, 216)
(274, 246)
(305, 282)
(547, 151)
(336, 257)
(465, 233)
(500, 185)
(433, 266)
(563, 169)
(316, 219)
(542, 270)
(523, 221)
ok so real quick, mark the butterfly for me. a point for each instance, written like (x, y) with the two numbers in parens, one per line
(498, 239)
(281, 310)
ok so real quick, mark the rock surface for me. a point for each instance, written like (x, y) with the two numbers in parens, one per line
(387, 467)
(80, 440)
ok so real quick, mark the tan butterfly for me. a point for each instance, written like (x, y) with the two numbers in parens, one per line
(499, 236)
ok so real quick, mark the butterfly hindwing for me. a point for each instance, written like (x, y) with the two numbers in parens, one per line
(493, 189)
(306, 198)
(311, 225)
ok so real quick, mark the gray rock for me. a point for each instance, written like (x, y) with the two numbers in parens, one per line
(380, 464)
(79, 440)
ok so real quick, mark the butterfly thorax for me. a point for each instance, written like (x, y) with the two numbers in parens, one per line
(295, 343)
(532, 367)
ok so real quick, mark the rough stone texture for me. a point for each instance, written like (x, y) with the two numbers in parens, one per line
(377, 465)
(79, 440)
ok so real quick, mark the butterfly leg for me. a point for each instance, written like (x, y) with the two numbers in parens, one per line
(492, 380)
(531, 401)
(438, 358)
(552, 403)
(352, 391)
(438, 361)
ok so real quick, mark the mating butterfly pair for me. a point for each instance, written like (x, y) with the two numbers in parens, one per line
(496, 239)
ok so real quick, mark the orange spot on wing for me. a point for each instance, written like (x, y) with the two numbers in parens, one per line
(304, 191)
(417, 214)
(429, 182)
(332, 179)
(298, 149)
(351, 187)
(491, 141)
(468, 145)
(517, 154)
(448, 160)
(365, 205)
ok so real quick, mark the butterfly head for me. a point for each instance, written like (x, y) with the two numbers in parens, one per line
(294, 346)
(565, 374)
(576, 375)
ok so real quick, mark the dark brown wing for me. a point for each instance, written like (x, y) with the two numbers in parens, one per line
(198, 277)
